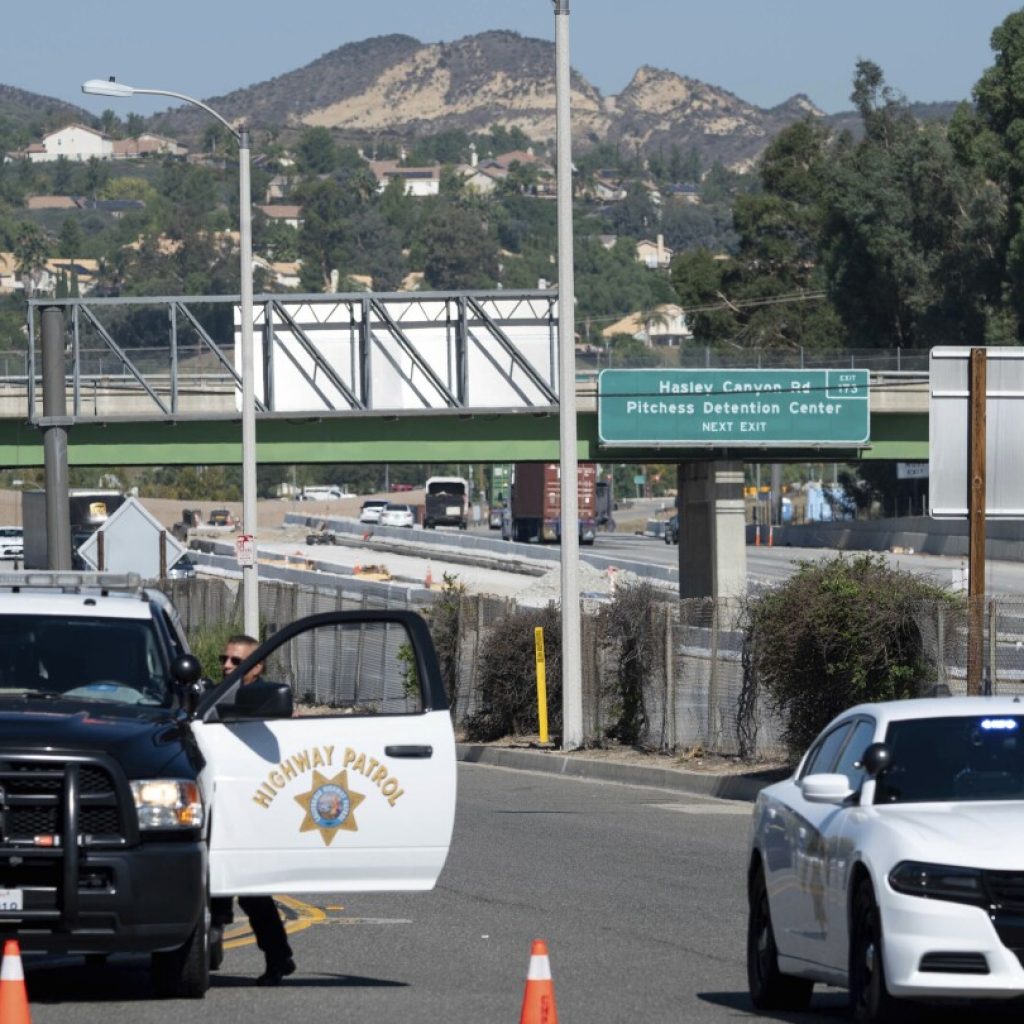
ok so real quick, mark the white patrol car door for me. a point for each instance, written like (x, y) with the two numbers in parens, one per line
(356, 791)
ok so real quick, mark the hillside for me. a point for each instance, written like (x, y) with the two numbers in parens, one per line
(396, 86)
(21, 110)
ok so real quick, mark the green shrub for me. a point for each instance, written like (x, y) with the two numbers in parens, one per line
(837, 633)
(508, 676)
(444, 618)
(627, 629)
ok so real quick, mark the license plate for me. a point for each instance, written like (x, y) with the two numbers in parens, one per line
(11, 899)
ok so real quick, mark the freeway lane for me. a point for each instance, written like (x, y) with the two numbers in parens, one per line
(639, 893)
(772, 565)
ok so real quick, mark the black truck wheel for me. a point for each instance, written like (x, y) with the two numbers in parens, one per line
(184, 973)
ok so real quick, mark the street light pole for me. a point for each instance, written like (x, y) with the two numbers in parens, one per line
(572, 659)
(250, 572)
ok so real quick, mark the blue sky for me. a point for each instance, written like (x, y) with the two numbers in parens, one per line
(762, 51)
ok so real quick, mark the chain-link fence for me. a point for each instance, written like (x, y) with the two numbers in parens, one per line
(693, 693)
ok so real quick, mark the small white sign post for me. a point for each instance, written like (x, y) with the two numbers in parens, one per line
(245, 549)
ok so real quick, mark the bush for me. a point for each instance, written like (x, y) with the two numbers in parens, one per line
(444, 618)
(836, 634)
(627, 629)
(508, 676)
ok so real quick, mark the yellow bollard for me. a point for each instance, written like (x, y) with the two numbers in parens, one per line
(542, 685)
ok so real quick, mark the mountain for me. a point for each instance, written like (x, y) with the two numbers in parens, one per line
(398, 87)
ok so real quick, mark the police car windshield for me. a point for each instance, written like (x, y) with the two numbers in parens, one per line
(954, 760)
(82, 658)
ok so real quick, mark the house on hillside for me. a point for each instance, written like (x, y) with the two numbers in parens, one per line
(115, 207)
(147, 144)
(687, 192)
(281, 274)
(9, 278)
(665, 325)
(607, 188)
(419, 181)
(480, 179)
(277, 188)
(51, 203)
(654, 255)
(46, 278)
(73, 142)
(283, 214)
(84, 272)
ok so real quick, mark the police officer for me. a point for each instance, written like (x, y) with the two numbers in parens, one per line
(262, 912)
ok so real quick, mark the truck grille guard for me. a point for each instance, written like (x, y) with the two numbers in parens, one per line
(55, 809)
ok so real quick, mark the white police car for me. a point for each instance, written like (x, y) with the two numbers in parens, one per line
(892, 862)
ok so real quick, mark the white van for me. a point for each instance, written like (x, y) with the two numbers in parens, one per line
(330, 492)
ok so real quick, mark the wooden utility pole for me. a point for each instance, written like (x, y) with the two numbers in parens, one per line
(976, 455)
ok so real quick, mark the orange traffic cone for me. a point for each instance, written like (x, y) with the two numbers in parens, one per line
(539, 997)
(428, 580)
(757, 535)
(357, 569)
(13, 997)
(771, 536)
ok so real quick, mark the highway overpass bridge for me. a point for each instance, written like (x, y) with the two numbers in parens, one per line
(421, 377)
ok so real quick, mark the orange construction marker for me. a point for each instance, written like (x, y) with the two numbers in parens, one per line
(13, 997)
(539, 997)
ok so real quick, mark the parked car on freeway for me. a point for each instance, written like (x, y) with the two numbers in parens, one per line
(890, 862)
(397, 514)
(183, 569)
(12, 542)
(371, 509)
(672, 530)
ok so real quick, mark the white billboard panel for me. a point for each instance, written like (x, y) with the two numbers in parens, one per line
(949, 369)
(412, 349)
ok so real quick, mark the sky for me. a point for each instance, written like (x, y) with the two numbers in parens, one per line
(764, 52)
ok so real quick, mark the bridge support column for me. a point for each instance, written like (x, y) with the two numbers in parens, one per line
(55, 441)
(712, 532)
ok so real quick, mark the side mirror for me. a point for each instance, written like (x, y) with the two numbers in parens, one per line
(258, 699)
(876, 759)
(186, 669)
(826, 788)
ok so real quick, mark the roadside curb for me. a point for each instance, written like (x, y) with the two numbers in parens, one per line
(725, 787)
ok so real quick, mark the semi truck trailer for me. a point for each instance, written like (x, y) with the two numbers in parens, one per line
(534, 513)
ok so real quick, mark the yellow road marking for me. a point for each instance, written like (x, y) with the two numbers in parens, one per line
(307, 916)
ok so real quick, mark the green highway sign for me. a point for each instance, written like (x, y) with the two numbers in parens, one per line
(730, 408)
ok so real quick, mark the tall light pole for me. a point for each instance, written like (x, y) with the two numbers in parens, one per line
(572, 659)
(250, 578)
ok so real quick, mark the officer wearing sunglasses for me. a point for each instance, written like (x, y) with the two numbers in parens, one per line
(261, 910)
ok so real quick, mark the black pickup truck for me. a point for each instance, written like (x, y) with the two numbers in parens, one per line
(132, 791)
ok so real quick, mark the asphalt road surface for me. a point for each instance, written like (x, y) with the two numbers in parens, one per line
(638, 892)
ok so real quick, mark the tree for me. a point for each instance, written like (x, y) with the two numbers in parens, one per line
(909, 231)
(315, 152)
(31, 249)
(69, 245)
(989, 139)
(63, 176)
(458, 252)
(325, 208)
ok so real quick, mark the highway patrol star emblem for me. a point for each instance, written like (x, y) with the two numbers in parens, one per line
(329, 806)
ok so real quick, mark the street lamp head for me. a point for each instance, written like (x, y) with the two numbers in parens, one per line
(107, 87)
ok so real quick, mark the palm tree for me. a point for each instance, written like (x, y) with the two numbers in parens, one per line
(31, 248)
